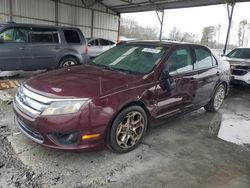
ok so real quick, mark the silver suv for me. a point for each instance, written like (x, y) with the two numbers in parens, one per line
(33, 47)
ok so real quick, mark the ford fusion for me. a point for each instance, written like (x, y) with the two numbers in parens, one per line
(111, 100)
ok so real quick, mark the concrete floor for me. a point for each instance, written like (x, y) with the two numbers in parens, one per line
(180, 153)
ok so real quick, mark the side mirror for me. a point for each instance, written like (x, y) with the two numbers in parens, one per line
(167, 82)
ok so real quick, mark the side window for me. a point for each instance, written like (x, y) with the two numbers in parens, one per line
(180, 61)
(19, 35)
(40, 35)
(94, 42)
(203, 58)
(104, 42)
(72, 36)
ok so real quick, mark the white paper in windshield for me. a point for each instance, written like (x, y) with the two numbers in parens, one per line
(151, 50)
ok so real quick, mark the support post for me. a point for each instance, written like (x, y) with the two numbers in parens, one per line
(92, 23)
(230, 17)
(161, 21)
(119, 25)
(56, 13)
(11, 10)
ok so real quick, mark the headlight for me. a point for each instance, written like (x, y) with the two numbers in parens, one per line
(232, 66)
(63, 107)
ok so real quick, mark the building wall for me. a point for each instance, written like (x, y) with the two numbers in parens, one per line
(94, 21)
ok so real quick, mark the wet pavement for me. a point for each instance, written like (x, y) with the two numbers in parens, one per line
(195, 150)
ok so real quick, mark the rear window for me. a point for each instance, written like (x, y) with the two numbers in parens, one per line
(41, 35)
(72, 36)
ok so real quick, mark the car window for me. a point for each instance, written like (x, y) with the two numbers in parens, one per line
(137, 59)
(180, 61)
(19, 35)
(203, 58)
(94, 42)
(104, 42)
(72, 36)
(42, 35)
(243, 53)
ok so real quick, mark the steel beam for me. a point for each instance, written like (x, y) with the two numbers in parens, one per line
(161, 20)
(230, 10)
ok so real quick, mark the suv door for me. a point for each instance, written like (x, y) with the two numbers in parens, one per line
(45, 46)
(180, 67)
(15, 49)
(207, 76)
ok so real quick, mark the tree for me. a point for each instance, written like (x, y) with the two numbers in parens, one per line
(175, 34)
(208, 34)
(131, 29)
(218, 29)
(242, 31)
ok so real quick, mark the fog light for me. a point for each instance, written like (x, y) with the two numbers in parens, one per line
(90, 136)
(65, 138)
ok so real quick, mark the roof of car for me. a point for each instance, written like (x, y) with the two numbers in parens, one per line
(35, 25)
(158, 42)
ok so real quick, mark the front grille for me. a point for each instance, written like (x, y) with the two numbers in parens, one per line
(239, 72)
(242, 67)
(29, 102)
(31, 133)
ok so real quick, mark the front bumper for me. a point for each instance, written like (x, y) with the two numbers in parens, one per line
(47, 131)
(243, 80)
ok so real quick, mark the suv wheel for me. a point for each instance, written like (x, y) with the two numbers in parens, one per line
(68, 61)
(128, 129)
(217, 100)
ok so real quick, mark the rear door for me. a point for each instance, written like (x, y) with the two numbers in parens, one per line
(180, 66)
(45, 46)
(14, 48)
(94, 48)
(207, 75)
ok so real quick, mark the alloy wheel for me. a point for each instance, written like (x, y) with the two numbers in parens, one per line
(130, 130)
(219, 97)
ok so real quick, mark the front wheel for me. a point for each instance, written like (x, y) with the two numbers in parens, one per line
(217, 100)
(128, 129)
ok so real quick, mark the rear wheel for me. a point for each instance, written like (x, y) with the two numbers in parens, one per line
(128, 129)
(68, 61)
(217, 100)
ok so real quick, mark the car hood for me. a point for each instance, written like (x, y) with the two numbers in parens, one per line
(238, 61)
(80, 81)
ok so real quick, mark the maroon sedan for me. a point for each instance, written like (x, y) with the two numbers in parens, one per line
(112, 100)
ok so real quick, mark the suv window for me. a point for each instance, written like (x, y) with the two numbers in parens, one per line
(180, 61)
(18, 35)
(41, 35)
(203, 58)
(72, 36)
(243, 53)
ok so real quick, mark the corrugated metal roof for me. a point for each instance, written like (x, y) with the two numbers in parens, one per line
(126, 6)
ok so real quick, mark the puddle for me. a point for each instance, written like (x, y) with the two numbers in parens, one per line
(235, 129)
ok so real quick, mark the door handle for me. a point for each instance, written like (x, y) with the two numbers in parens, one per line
(57, 47)
(218, 73)
(22, 48)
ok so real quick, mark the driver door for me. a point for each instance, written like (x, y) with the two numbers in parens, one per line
(179, 99)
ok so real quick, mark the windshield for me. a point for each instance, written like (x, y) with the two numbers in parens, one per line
(131, 58)
(242, 53)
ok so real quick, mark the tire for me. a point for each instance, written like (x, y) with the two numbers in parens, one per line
(124, 135)
(217, 99)
(68, 61)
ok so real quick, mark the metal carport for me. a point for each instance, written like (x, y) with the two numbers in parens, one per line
(97, 18)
